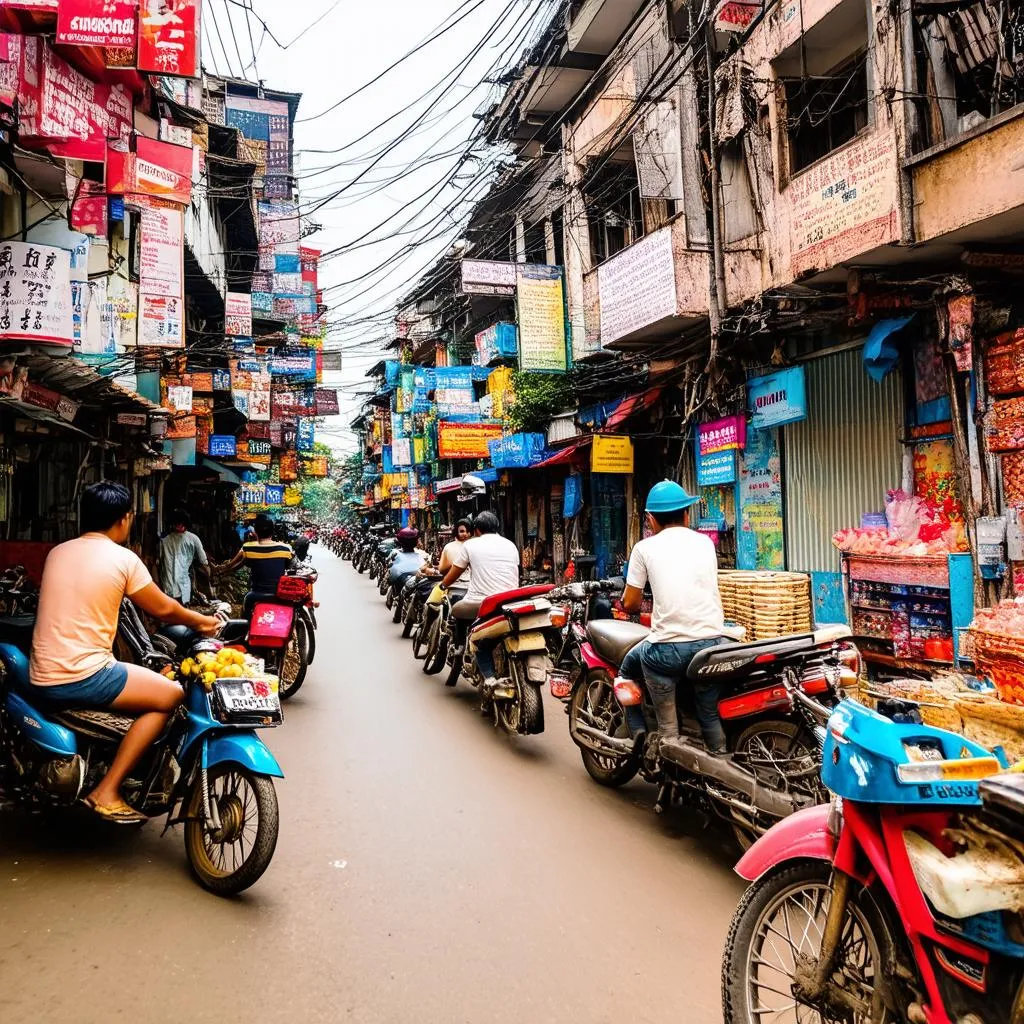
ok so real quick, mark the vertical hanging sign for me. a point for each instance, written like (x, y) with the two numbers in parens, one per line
(161, 278)
(540, 302)
(169, 37)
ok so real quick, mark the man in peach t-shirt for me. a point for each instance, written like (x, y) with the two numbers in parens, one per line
(73, 665)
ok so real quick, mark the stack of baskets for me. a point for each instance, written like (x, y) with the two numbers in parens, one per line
(768, 604)
(1000, 657)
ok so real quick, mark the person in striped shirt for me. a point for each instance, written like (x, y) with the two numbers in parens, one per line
(266, 559)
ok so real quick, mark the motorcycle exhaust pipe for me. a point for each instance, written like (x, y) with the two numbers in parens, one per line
(725, 771)
(601, 742)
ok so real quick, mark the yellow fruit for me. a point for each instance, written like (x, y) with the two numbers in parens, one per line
(187, 666)
(209, 678)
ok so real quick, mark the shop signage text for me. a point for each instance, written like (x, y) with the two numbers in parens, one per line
(611, 453)
(777, 399)
(466, 440)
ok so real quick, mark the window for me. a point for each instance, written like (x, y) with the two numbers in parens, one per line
(825, 111)
(614, 211)
(536, 244)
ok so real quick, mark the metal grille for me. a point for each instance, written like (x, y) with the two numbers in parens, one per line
(841, 460)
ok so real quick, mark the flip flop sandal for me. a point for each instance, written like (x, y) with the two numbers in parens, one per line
(119, 813)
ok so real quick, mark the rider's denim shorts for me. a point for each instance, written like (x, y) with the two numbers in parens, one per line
(99, 690)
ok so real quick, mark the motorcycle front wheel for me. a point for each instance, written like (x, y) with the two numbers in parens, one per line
(230, 859)
(422, 631)
(525, 712)
(409, 617)
(777, 927)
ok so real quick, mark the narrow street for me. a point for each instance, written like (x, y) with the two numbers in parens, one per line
(429, 870)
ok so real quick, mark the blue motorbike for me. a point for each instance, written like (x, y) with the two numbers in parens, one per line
(209, 771)
(903, 902)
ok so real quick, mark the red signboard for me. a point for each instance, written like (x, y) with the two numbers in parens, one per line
(97, 22)
(89, 209)
(155, 169)
(168, 37)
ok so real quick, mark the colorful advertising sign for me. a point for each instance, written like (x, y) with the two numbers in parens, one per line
(611, 453)
(275, 494)
(777, 399)
(315, 467)
(721, 435)
(760, 540)
(238, 315)
(169, 37)
(162, 278)
(517, 451)
(98, 23)
(326, 402)
(540, 302)
(35, 294)
(306, 435)
(716, 468)
(466, 440)
(158, 169)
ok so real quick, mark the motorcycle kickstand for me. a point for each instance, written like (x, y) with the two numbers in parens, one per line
(664, 790)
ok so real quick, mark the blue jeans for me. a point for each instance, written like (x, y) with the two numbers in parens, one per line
(663, 666)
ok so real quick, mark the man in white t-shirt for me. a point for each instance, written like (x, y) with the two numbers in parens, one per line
(494, 562)
(681, 568)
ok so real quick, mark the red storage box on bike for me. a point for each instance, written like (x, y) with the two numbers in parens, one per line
(271, 624)
(292, 588)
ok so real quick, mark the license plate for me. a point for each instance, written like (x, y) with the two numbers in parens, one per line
(247, 696)
(560, 684)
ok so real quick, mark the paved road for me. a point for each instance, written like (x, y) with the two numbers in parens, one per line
(430, 870)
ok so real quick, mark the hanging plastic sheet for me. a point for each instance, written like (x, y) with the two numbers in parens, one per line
(881, 355)
(573, 500)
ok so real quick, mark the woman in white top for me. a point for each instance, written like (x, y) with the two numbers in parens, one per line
(463, 531)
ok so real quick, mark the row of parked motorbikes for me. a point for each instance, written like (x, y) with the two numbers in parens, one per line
(886, 857)
(209, 771)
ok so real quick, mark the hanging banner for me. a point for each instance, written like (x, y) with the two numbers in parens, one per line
(540, 303)
(326, 402)
(238, 315)
(466, 440)
(288, 468)
(97, 23)
(760, 540)
(306, 435)
(35, 294)
(777, 399)
(611, 453)
(488, 277)
(159, 169)
(169, 37)
(180, 398)
(161, 278)
(317, 467)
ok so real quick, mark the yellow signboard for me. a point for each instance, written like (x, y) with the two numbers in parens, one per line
(611, 453)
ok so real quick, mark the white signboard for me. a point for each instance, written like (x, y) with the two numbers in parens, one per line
(637, 287)
(238, 315)
(487, 277)
(179, 398)
(35, 294)
(162, 276)
(401, 452)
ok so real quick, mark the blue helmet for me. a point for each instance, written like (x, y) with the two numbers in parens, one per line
(668, 496)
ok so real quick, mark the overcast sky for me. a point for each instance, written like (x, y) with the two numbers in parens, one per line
(354, 42)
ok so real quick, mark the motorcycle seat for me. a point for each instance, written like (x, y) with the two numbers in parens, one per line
(613, 639)
(1002, 796)
(729, 659)
(17, 631)
(491, 604)
(102, 725)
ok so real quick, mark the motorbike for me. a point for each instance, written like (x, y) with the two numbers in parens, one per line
(367, 549)
(517, 624)
(411, 602)
(209, 771)
(772, 767)
(899, 902)
(277, 631)
(435, 633)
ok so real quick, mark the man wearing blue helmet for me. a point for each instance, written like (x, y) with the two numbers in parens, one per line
(681, 568)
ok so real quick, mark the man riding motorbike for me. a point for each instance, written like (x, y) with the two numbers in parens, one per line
(681, 567)
(72, 663)
(267, 559)
(494, 563)
(408, 558)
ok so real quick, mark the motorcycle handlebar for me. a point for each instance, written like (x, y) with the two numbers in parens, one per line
(583, 589)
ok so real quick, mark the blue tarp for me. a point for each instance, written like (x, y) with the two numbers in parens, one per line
(880, 352)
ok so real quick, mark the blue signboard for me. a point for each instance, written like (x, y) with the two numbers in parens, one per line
(275, 494)
(517, 451)
(777, 399)
(716, 468)
(223, 445)
(221, 380)
(117, 207)
(306, 435)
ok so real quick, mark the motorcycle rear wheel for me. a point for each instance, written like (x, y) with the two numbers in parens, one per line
(524, 713)
(419, 641)
(597, 692)
(294, 661)
(230, 861)
(759, 965)
(408, 618)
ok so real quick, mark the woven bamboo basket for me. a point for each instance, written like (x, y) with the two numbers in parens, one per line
(992, 723)
(768, 604)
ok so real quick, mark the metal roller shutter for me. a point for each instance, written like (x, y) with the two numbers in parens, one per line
(841, 460)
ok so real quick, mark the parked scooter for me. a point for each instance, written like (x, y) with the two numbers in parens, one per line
(517, 625)
(900, 902)
(772, 769)
(412, 601)
(209, 771)
(435, 633)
